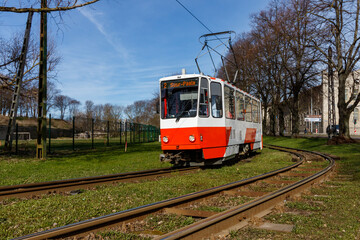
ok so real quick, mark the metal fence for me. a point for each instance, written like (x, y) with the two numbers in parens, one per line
(84, 133)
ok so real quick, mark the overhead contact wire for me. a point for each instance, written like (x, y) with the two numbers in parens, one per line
(200, 22)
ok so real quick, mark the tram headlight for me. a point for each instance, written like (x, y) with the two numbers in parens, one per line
(192, 138)
(165, 139)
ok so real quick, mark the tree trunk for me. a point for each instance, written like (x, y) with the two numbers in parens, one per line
(281, 122)
(264, 127)
(295, 116)
(344, 113)
(272, 123)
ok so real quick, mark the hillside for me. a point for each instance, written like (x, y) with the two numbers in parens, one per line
(32, 122)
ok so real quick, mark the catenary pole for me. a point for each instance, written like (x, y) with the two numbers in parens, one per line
(41, 130)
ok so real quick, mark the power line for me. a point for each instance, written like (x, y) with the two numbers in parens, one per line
(201, 23)
(194, 16)
(205, 44)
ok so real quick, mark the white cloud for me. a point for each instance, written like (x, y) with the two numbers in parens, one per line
(93, 17)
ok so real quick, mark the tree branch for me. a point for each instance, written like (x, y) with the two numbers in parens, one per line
(23, 10)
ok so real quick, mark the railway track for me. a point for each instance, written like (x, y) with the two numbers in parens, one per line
(60, 186)
(287, 182)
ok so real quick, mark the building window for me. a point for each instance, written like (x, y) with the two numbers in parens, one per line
(356, 115)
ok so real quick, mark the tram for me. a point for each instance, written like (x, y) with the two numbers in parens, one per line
(206, 120)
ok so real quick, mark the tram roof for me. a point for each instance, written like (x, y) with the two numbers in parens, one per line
(184, 76)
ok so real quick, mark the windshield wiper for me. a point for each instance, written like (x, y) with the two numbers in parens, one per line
(182, 112)
(179, 116)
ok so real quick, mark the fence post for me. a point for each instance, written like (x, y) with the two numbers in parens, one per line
(92, 133)
(147, 133)
(17, 138)
(139, 127)
(73, 143)
(120, 132)
(125, 132)
(143, 129)
(131, 132)
(152, 133)
(108, 134)
(50, 133)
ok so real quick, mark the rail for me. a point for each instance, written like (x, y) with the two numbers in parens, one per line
(26, 190)
(208, 225)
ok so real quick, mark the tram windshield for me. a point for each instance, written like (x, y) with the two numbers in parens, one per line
(179, 98)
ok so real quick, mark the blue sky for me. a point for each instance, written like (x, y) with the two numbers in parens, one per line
(116, 50)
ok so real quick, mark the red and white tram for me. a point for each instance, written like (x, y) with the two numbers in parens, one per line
(206, 120)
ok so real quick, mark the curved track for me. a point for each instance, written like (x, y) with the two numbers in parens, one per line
(209, 223)
(28, 190)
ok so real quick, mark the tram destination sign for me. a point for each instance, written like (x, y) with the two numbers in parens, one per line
(193, 82)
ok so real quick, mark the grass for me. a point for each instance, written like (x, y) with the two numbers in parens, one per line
(331, 210)
(20, 217)
(65, 145)
(14, 170)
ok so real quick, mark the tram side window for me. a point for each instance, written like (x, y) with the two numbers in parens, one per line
(204, 98)
(247, 108)
(216, 100)
(229, 103)
(254, 111)
(240, 106)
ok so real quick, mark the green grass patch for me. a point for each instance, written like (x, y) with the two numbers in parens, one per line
(21, 217)
(122, 236)
(80, 164)
(168, 222)
(332, 210)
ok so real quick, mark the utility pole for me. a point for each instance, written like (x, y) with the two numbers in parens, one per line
(41, 129)
(331, 97)
(17, 87)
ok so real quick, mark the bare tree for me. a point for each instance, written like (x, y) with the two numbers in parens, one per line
(117, 112)
(276, 60)
(108, 112)
(269, 72)
(98, 112)
(299, 59)
(339, 21)
(137, 112)
(52, 92)
(9, 55)
(259, 60)
(74, 107)
(62, 102)
(89, 109)
(53, 5)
